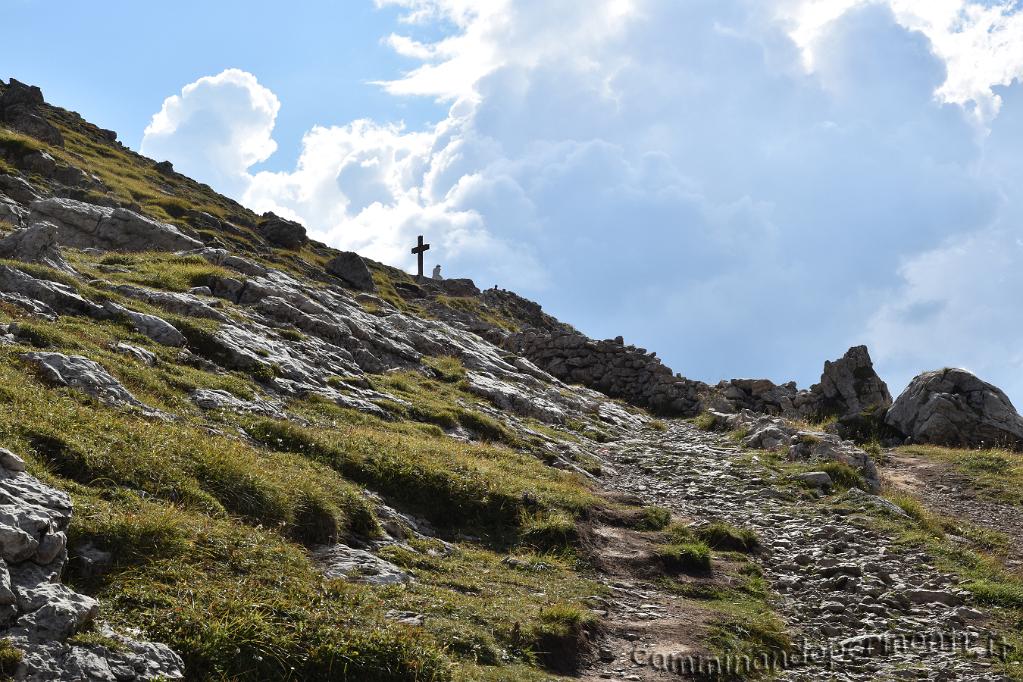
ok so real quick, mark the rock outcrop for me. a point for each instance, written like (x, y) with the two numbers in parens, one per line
(83, 225)
(849, 386)
(85, 375)
(610, 367)
(38, 614)
(350, 267)
(20, 110)
(282, 232)
(953, 407)
(35, 244)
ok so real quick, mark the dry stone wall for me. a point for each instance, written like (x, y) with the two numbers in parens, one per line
(611, 367)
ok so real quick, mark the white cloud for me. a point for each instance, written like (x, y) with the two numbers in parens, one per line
(672, 171)
(979, 42)
(216, 129)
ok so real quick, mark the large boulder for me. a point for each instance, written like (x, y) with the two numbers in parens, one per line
(953, 407)
(849, 386)
(350, 267)
(282, 232)
(82, 225)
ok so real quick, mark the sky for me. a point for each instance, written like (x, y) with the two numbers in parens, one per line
(748, 187)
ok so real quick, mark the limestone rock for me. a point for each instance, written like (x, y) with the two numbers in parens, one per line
(19, 110)
(83, 225)
(11, 213)
(358, 565)
(506, 396)
(35, 244)
(140, 354)
(282, 232)
(209, 399)
(814, 479)
(83, 374)
(350, 267)
(62, 299)
(850, 386)
(18, 189)
(179, 304)
(38, 614)
(156, 328)
(953, 407)
(228, 260)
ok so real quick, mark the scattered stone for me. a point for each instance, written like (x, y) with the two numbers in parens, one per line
(814, 479)
(358, 565)
(141, 354)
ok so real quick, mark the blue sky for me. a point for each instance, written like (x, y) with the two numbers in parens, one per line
(747, 186)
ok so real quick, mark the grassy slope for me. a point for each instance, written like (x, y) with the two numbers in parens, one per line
(208, 528)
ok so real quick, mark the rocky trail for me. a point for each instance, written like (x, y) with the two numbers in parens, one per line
(951, 494)
(837, 582)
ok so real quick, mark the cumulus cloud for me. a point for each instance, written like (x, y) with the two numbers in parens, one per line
(747, 187)
(217, 128)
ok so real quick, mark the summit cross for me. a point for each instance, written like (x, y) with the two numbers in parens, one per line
(419, 251)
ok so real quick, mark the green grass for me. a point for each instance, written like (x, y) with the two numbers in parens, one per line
(473, 306)
(843, 476)
(10, 657)
(209, 517)
(654, 518)
(724, 536)
(975, 555)
(689, 556)
(450, 482)
(995, 474)
(162, 270)
(705, 421)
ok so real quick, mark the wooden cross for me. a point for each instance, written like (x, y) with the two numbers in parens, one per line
(419, 251)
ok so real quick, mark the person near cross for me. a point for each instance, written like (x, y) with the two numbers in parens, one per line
(419, 250)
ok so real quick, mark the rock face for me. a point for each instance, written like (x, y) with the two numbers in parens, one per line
(953, 407)
(281, 232)
(350, 267)
(83, 225)
(20, 110)
(850, 386)
(610, 367)
(37, 613)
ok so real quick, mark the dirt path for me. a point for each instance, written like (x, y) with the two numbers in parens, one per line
(834, 580)
(947, 492)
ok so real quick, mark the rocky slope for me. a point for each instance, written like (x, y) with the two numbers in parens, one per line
(288, 462)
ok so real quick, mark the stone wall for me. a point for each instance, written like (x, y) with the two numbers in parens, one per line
(611, 367)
